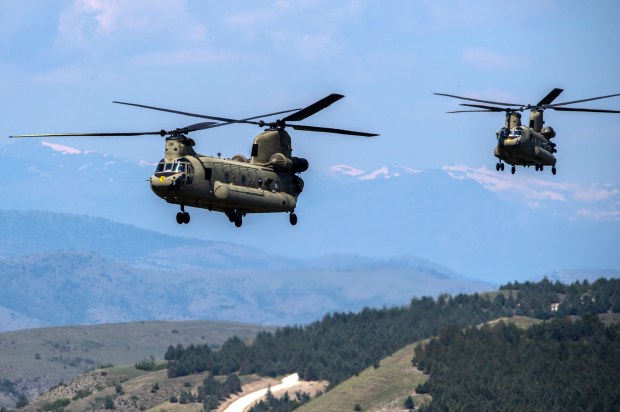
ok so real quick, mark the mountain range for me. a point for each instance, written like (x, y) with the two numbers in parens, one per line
(60, 269)
(78, 223)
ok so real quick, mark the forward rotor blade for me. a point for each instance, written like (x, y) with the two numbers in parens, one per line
(574, 109)
(584, 100)
(553, 94)
(491, 108)
(90, 134)
(199, 126)
(478, 100)
(471, 111)
(331, 130)
(313, 108)
(202, 116)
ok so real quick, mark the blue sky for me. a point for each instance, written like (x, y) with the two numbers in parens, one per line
(63, 62)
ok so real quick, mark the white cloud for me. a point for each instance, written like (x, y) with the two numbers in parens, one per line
(538, 192)
(490, 60)
(85, 22)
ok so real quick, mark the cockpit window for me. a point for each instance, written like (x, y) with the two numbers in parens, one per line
(160, 167)
(179, 167)
(515, 132)
(168, 167)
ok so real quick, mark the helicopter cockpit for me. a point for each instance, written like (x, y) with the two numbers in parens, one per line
(181, 165)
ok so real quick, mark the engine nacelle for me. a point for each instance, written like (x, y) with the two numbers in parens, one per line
(548, 132)
(281, 163)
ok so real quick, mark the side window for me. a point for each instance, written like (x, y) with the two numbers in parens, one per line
(208, 173)
(227, 177)
(244, 180)
(190, 174)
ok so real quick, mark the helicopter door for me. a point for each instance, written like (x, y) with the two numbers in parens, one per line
(190, 174)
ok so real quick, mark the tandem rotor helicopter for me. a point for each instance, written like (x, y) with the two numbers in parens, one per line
(520, 145)
(268, 182)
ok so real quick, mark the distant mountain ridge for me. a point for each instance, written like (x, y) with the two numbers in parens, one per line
(475, 221)
(61, 269)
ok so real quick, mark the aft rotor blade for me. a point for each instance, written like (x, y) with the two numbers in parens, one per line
(160, 133)
(331, 130)
(221, 119)
(313, 108)
(584, 100)
(574, 109)
(478, 100)
(553, 94)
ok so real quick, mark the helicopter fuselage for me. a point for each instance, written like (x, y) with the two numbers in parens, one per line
(225, 185)
(268, 182)
(523, 146)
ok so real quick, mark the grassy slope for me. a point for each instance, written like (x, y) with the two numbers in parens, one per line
(386, 387)
(61, 348)
(137, 387)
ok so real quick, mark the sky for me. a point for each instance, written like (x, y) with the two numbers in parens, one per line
(63, 62)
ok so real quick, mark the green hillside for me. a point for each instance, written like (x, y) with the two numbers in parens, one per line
(387, 386)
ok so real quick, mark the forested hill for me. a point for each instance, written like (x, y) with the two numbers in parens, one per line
(559, 365)
(343, 344)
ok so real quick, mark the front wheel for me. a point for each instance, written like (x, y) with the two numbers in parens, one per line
(293, 219)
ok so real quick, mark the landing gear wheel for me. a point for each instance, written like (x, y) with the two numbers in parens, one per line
(185, 217)
(541, 167)
(513, 169)
(293, 219)
(553, 170)
(497, 166)
(536, 167)
(501, 167)
(239, 220)
(180, 218)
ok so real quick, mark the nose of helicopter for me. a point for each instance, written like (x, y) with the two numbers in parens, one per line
(165, 183)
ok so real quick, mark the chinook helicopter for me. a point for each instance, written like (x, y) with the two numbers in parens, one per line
(520, 145)
(267, 182)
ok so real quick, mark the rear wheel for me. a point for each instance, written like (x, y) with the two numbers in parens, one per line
(513, 169)
(180, 218)
(239, 220)
(293, 219)
(553, 170)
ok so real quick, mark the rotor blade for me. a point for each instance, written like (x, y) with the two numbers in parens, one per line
(584, 100)
(331, 130)
(471, 111)
(574, 109)
(90, 134)
(199, 126)
(221, 119)
(491, 108)
(553, 94)
(313, 108)
(478, 100)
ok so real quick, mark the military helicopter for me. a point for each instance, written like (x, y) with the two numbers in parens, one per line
(522, 145)
(268, 182)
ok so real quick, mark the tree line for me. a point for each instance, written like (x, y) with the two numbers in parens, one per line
(554, 366)
(343, 344)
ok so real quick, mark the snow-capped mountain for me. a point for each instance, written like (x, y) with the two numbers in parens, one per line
(473, 220)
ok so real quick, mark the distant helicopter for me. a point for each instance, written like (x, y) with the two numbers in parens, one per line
(266, 183)
(527, 146)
